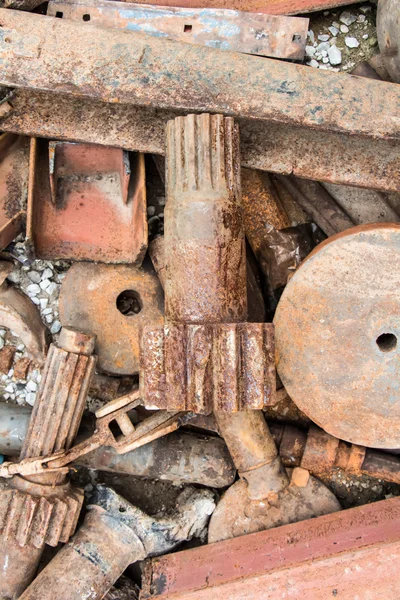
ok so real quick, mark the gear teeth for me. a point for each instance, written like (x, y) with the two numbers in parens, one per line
(34, 520)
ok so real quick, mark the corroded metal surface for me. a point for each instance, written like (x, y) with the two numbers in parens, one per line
(337, 336)
(349, 554)
(204, 232)
(264, 35)
(173, 75)
(89, 297)
(18, 313)
(227, 367)
(267, 146)
(44, 509)
(86, 202)
(388, 29)
(236, 514)
(114, 535)
(14, 160)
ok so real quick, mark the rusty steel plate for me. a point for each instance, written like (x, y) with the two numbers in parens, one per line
(114, 302)
(265, 35)
(337, 330)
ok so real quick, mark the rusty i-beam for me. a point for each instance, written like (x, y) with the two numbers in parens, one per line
(73, 72)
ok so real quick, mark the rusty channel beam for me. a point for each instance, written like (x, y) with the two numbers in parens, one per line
(266, 146)
(349, 554)
(263, 35)
(172, 75)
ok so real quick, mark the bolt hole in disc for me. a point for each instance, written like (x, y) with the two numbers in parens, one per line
(129, 303)
(387, 342)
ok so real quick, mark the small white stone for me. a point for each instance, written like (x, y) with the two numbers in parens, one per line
(52, 288)
(32, 386)
(10, 388)
(334, 30)
(55, 328)
(14, 277)
(334, 55)
(361, 18)
(30, 398)
(324, 54)
(336, 24)
(61, 276)
(34, 276)
(20, 347)
(324, 37)
(151, 210)
(318, 56)
(310, 51)
(311, 36)
(351, 42)
(49, 319)
(347, 18)
(33, 289)
(45, 284)
(1, 343)
(323, 46)
(314, 63)
(35, 375)
(43, 302)
(3, 332)
(6, 396)
(325, 59)
(365, 9)
(344, 29)
(47, 273)
(47, 311)
(10, 373)
(35, 300)
(365, 36)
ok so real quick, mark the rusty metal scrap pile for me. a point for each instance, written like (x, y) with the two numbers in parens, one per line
(229, 303)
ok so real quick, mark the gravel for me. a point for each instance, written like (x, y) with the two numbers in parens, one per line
(352, 42)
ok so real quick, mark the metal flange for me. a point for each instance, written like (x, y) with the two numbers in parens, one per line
(337, 330)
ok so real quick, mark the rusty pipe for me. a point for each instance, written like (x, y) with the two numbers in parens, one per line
(44, 508)
(114, 535)
(181, 457)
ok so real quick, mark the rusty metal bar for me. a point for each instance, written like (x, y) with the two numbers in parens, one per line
(318, 557)
(266, 146)
(237, 31)
(42, 53)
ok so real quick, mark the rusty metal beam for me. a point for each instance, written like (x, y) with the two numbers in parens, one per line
(44, 53)
(267, 146)
(263, 35)
(271, 7)
(320, 558)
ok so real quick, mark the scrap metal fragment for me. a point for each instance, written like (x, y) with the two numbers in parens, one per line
(115, 302)
(268, 146)
(44, 509)
(86, 202)
(337, 335)
(172, 75)
(347, 554)
(18, 313)
(114, 535)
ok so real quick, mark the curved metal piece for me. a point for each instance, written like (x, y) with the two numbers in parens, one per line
(19, 314)
(338, 336)
(388, 29)
(236, 514)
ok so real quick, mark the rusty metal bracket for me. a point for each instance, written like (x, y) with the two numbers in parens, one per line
(116, 413)
(86, 202)
(237, 31)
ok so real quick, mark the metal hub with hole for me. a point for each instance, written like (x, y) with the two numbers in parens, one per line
(337, 329)
(115, 302)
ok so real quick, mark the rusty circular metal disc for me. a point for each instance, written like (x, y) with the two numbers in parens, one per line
(237, 515)
(337, 329)
(89, 300)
